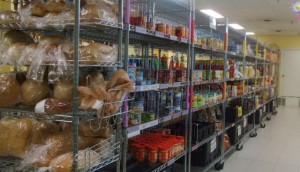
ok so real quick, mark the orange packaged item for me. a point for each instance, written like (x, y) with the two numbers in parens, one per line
(141, 151)
(180, 31)
(168, 29)
(160, 27)
(163, 154)
(150, 26)
(152, 154)
(173, 31)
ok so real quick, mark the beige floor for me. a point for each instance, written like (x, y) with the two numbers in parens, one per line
(275, 149)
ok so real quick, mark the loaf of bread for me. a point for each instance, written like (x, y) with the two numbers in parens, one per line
(19, 137)
(56, 6)
(53, 106)
(39, 9)
(120, 81)
(33, 92)
(5, 127)
(9, 90)
(14, 53)
(95, 128)
(63, 90)
(41, 131)
(92, 79)
(95, 12)
(98, 53)
(28, 54)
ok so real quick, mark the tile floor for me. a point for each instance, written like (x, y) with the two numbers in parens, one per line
(275, 149)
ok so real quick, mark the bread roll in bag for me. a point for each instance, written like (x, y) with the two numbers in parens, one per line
(9, 90)
(5, 126)
(33, 92)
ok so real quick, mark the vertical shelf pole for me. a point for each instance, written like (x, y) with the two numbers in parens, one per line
(76, 41)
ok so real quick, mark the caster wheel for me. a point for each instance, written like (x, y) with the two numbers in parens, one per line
(269, 118)
(253, 134)
(262, 125)
(219, 166)
(239, 147)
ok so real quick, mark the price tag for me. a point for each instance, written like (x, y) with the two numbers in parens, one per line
(140, 30)
(213, 145)
(167, 118)
(172, 161)
(239, 128)
(163, 86)
(240, 111)
(154, 87)
(174, 38)
(159, 34)
(176, 115)
(265, 108)
(245, 122)
(144, 88)
(149, 124)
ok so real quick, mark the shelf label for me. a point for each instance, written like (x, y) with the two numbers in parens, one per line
(239, 128)
(140, 30)
(172, 161)
(163, 86)
(159, 34)
(245, 122)
(176, 115)
(174, 38)
(148, 124)
(213, 145)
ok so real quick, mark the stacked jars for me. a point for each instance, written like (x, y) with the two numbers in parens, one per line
(156, 147)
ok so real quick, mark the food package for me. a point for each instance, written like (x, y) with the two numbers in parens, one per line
(9, 16)
(41, 131)
(12, 37)
(9, 90)
(62, 143)
(98, 53)
(92, 79)
(19, 137)
(53, 106)
(53, 40)
(32, 92)
(56, 7)
(63, 90)
(5, 127)
(13, 53)
(95, 128)
(38, 9)
(120, 81)
(64, 163)
(98, 11)
(28, 55)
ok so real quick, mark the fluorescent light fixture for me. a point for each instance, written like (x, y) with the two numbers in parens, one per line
(250, 33)
(212, 13)
(236, 26)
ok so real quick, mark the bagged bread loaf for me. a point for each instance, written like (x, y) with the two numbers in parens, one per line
(56, 6)
(120, 81)
(13, 53)
(5, 127)
(19, 137)
(53, 40)
(39, 9)
(98, 53)
(98, 11)
(63, 90)
(9, 90)
(92, 79)
(28, 55)
(41, 131)
(95, 128)
(33, 92)
(53, 106)
(64, 163)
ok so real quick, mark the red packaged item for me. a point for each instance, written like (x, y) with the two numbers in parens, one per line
(163, 154)
(140, 151)
(152, 154)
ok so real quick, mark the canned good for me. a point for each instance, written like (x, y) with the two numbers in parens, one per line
(180, 31)
(150, 26)
(160, 27)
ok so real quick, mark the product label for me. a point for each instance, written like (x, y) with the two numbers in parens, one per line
(240, 111)
(239, 130)
(245, 122)
(213, 145)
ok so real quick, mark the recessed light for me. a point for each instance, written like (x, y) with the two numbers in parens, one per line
(278, 31)
(236, 26)
(250, 33)
(267, 20)
(212, 13)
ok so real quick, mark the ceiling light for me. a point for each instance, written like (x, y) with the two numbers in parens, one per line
(212, 13)
(250, 33)
(236, 26)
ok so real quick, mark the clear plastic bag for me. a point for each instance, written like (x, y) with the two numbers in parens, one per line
(41, 131)
(53, 106)
(95, 53)
(63, 90)
(28, 55)
(5, 127)
(13, 53)
(9, 16)
(19, 137)
(95, 128)
(32, 92)
(93, 12)
(10, 90)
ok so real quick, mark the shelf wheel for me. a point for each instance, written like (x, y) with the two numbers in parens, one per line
(268, 118)
(253, 134)
(219, 166)
(239, 147)
(262, 125)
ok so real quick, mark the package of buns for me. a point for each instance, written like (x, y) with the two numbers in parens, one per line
(98, 53)
(64, 163)
(19, 137)
(56, 6)
(54, 106)
(95, 128)
(5, 127)
(32, 92)
(93, 12)
(9, 90)
(120, 81)
(41, 131)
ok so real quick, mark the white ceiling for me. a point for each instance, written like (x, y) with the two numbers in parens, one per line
(251, 13)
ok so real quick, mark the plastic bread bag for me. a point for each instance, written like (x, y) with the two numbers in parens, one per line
(64, 163)
(41, 131)
(19, 137)
(32, 92)
(120, 82)
(95, 128)
(28, 55)
(93, 12)
(63, 90)
(5, 126)
(13, 53)
(10, 90)
(9, 16)
(98, 53)
(32, 16)
(53, 106)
